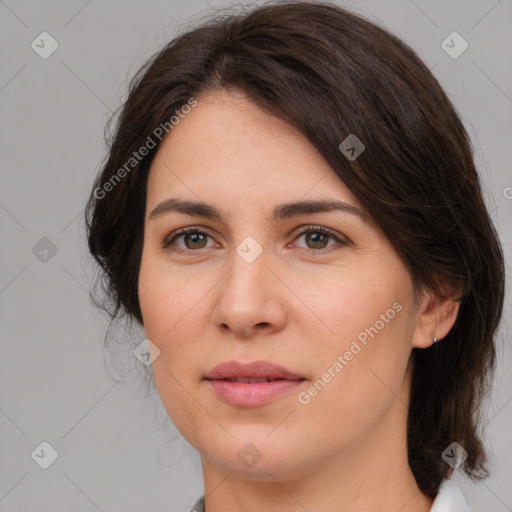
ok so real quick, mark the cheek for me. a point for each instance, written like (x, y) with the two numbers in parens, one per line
(165, 295)
(356, 302)
(170, 306)
(366, 343)
(356, 384)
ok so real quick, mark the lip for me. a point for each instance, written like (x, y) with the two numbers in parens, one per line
(252, 394)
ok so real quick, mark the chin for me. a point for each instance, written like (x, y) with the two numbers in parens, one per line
(261, 459)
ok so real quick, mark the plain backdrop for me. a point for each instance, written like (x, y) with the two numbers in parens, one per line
(57, 385)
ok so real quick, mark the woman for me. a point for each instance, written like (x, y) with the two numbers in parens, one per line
(291, 210)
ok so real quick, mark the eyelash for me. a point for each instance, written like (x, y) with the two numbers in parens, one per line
(310, 229)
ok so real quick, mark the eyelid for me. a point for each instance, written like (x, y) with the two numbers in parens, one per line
(306, 228)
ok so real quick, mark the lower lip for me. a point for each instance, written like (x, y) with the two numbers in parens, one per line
(248, 395)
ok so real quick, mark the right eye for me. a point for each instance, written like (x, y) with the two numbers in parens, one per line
(191, 239)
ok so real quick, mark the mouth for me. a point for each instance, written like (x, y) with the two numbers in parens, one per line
(254, 384)
(252, 371)
(251, 380)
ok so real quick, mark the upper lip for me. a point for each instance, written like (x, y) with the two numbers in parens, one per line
(256, 369)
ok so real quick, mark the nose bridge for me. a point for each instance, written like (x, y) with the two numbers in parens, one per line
(247, 280)
(249, 294)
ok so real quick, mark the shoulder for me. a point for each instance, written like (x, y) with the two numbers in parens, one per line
(449, 499)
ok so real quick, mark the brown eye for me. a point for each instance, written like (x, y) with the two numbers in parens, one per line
(317, 239)
(188, 239)
(195, 240)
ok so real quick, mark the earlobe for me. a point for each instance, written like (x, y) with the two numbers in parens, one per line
(435, 318)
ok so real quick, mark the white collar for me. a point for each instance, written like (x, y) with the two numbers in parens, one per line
(449, 499)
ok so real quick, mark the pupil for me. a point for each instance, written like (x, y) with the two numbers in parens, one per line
(196, 239)
(316, 239)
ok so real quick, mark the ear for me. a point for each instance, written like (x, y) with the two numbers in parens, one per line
(435, 316)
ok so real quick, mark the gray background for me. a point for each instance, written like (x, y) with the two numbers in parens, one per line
(116, 452)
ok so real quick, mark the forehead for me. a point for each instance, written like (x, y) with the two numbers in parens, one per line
(228, 149)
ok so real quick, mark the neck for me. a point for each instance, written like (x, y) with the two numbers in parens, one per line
(382, 488)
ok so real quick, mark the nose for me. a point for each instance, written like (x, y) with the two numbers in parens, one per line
(250, 299)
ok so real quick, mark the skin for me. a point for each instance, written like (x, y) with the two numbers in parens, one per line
(204, 304)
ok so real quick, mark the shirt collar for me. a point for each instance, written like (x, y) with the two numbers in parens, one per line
(449, 499)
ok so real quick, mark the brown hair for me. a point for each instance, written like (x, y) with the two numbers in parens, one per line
(331, 73)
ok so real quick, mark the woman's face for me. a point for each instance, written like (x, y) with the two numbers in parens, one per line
(333, 306)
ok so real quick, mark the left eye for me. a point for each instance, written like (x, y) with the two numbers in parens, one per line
(317, 238)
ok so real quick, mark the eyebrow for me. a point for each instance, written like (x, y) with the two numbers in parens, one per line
(280, 212)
